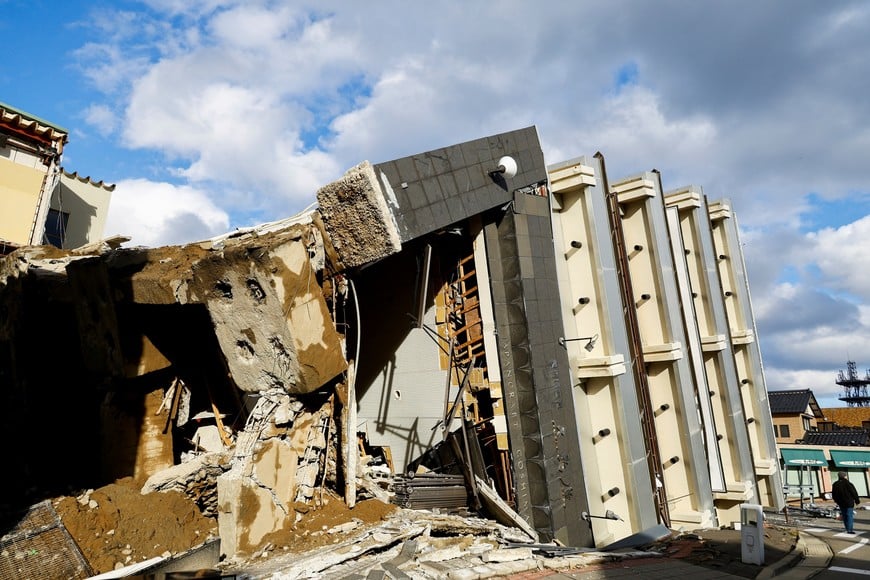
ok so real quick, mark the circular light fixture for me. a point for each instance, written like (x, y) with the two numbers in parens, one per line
(507, 166)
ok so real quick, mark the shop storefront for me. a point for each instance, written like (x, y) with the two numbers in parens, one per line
(855, 463)
(804, 472)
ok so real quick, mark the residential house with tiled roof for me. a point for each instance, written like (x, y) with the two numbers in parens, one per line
(795, 412)
(40, 202)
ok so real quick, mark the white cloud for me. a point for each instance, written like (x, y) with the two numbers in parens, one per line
(633, 126)
(252, 27)
(821, 383)
(842, 258)
(102, 118)
(109, 68)
(155, 214)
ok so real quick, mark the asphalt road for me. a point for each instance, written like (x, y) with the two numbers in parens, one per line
(851, 554)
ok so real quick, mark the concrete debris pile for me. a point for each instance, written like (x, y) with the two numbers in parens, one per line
(221, 370)
(424, 544)
(215, 369)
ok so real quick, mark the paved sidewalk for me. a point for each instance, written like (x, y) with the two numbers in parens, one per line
(810, 556)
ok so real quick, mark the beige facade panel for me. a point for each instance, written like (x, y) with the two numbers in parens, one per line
(667, 352)
(608, 366)
(738, 325)
(715, 343)
(742, 336)
(636, 189)
(20, 189)
(572, 177)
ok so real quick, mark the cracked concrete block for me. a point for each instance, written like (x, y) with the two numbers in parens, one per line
(357, 219)
(484, 571)
(247, 512)
(463, 574)
(443, 554)
(515, 566)
(263, 297)
(272, 322)
(275, 468)
(250, 327)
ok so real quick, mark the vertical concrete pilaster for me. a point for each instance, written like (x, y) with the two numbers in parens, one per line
(679, 434)
(747, 352)
(731, 443)
(534, 369)
(613, 448)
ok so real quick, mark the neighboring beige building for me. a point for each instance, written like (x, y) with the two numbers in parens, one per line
(78, 211)
(661, 344)
(42, 203)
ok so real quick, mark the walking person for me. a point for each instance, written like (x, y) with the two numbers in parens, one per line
(846, 497)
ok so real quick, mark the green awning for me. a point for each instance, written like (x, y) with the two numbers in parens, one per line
(844, 458)
(812, 457)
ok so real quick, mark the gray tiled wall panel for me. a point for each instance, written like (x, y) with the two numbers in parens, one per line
(452, 183)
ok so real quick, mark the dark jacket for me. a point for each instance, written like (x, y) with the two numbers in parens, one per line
(844, 493)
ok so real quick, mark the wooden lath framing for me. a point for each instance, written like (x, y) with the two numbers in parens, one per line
(466, 326)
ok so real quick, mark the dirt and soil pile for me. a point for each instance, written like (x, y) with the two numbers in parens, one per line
(314, 527)
(116, 525)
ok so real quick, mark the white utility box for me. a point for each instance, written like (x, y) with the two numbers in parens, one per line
(751, 534)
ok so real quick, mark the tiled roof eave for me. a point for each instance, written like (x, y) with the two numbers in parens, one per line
(31, 127)
(88, 180)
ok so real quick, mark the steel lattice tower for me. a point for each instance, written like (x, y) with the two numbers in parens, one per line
(855, 389)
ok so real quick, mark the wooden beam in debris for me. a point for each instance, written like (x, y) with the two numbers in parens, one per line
(501, 511)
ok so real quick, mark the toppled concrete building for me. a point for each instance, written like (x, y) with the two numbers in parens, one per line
(432, 310)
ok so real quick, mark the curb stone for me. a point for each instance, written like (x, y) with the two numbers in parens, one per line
(810, 556)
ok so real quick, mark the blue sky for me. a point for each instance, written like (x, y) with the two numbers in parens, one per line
(210, 115)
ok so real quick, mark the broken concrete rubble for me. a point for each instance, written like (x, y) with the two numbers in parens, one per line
(427, 545)
(241, 331)
(355, 213)
(218, 329)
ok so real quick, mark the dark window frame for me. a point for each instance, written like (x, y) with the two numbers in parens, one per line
(56, 227)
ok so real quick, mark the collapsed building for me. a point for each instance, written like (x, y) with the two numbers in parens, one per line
(580, 355)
